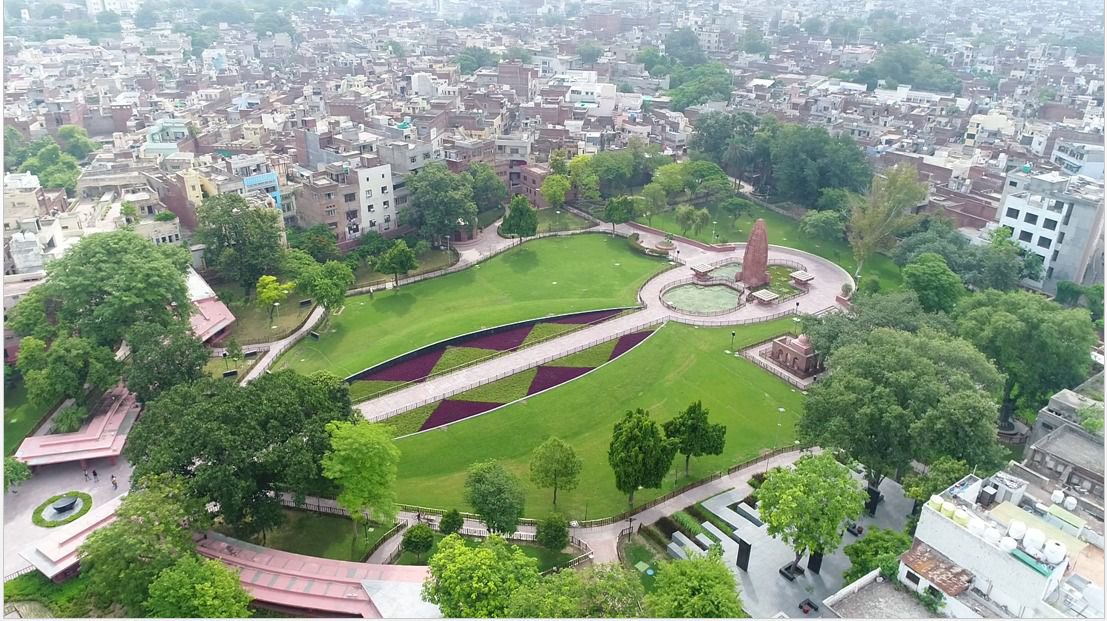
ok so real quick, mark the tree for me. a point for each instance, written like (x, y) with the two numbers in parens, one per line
(162, 357)
(75, 142)
(480, 581)
(618, 210)
(496, 496)
(397, 49)
(695, 436)
(655, 198)
(240, 446)
(329, 283)
(699, 84)
(451, 522)
(1039, 345)
(271, 292)
(1091, 418)
(639, 454)
(827, 225)
(874, 223)
(807, 160)
(584, 179)
(554, 188)
(555, 464)
(891, 394)
(15, 472)
(193, 587)
(670, 178)
(700, 218)
(65, 369)
(398, 260)
(937, 286)
(559, 165)
(1068, 293)
(900, 310)
(418, 540)
(836, 199)
(521, 220)
(940, 474)
(807, 506)
(879, 549)
(270, 23)
(152, 529)
(699, 587)
(685, 216)
(318, 241)
(489, 192)
(69, 420)
(683, 46)
(473, 58)
(362, 461)
(599, 591)
(108, 21)
(440, 201)
(589, 52)
(243, 242)
(553, 533)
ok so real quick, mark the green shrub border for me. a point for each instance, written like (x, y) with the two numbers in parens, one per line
(86, 505)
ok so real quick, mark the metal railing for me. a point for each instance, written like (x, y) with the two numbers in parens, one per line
(21, 572)
(693, 280)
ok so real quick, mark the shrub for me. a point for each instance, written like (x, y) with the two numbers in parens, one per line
(553, 533)
(655, 536)
(69, 420)
(418, 540)
(67, 599)
(847, 289)
(869, 285)
(165, 216)
(451, 522)
(688, 524)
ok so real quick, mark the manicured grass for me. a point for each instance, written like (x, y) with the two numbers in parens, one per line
(592, 357)
(783, 231)
(459, 356)
(504, 390)
(67, 599)
(410, 421)
(20, 416)
(636, 550)
(556, 275)
(780, 282)
(252, 323)
(215, 367)
(543, 331)
(362, 390)
(547, 559)
(550, 220)
(429, 262)
(676, 366)
(322, 535)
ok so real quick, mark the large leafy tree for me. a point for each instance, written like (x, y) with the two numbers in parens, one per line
(103, 286)
(939, 475)
(827, 225)
(891, 396)
(522, 219)
(477, 582)
(886, 212)
(271, 292)
(999, 264)
(65, 369)
(806, 160)
(555, 464)
(900, 310)
(440, 200)
(418, 540)
(496, 495)
(1039, 345)
(362, 461)
(75, 141)
(239, 446)
(937, 286)
(695, 436)
(162, 357)
(807, 506)
(328, 284)
(53, 167)
(397, 260)
(699, 587)
(879, 549)
(584, 178)
(318, 241)
(489, 192)
(595, 592)
(639, 453)
(193, 587)
(243, 242)
(152, 530)
(619, 210)
(554, 188)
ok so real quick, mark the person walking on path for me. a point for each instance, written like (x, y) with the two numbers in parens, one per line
(95, 477)
(114, 483)
(86, 475)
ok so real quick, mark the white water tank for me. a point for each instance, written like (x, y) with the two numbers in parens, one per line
(948, 508)
(1057, 496)
(1054, 552)
(977, 526)
(992, 535)
(1007, 544)
(1070, 503)
(1033, 539)
(1016, 530)
(961, 517)
(935, 502)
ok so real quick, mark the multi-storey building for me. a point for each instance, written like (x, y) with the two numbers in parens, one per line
(1079, 158)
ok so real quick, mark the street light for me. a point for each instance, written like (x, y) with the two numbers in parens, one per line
(732, 333)
(714, 223)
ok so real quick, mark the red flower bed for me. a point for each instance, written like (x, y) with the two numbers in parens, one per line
(410, 370)
(548, 377)
(501, 341)
(451, 411)
(628, 341)
(587, 317)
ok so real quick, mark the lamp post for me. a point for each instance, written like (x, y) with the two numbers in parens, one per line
(276, 311)
(714, 223)
(732, 333)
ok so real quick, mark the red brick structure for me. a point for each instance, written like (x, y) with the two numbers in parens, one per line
(756, 259)
(796, 355)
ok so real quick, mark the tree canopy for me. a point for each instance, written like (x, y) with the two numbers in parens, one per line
(193, 587)
(496, 495)
(398, 260)
(440, 200)
(489, 192)
(879, 549)
(243, 242)
(887, 211)
(162, 357)
(695, 436)
(555, 464)
(937, 286)
(597, 591)
(521, 219)
(639, 453)
(318, 241)
(362, 461)
(477, 582)
(698, 587)
(65, 369)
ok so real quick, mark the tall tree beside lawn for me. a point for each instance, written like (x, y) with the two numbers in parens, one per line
(496, 496)
(478, 582)
(418, 540)
(555, 464)
(937, 286)
(123, 559)
(907, 390)
(329, 283)
(522, 219)
(271, 292)
(398, 260)
(826, 225)
(900, 310)
(440, 200)
(489, 192)
(1039, 345)
(639, 453)
(886, 212)
(698, 587)
(619, 210)
(695, 436)
(451, 522)
(685, 216)
(808, 506)
(65, 369)
(655, 200)
(243, 242)
(554, 188)
(362, 461)
(194, 587)
(318, 241)
(162, 357)
(584, 179)
(559, 164)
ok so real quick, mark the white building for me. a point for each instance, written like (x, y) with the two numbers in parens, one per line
(120, 7)
(1059, 218)
(377, 204)
(1079, 158)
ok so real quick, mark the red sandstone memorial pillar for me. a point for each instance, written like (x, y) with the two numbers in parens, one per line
(755, 261)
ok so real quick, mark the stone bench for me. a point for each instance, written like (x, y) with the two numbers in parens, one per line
(680, 539)
(677, 552)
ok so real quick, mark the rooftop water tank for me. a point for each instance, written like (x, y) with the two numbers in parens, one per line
(961, 517)
(1054, 552)
(935, 502)
(1057, 496)
(1033, 540)
(1070, 503)
(977, 526)
(992, 535)
(1007, 544)
(948, 508)
(1017, 530)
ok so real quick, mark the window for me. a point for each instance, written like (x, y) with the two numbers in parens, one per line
(331, 211)
(384, 189)
(401, 201)
(1025, 236)
(426, 156)
(1049, 225)
(1049, 273)
(1043, 242)
(1030, 218)
(1054, 257)
(411, 159)
(372, 224)
(372, 208)
(1012, 213)
(387, 219)
(1065, 221)
(385, 205)
(1013, 184)
(912, 577)
(351, 197)
(328, 195)
(369, 194)
(1060, 237)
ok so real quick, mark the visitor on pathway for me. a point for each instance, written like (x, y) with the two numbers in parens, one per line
(95, 477)
(86, 475)
(114, 483)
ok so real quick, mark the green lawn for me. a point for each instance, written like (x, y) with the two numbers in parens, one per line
(535, 279)
(67, 599)
(780, 280)
(20, 416)
(547, 559)
(551, 220)
(215, 367)
(252, 323)
(322, 535)
(783, 231)
(429, 262)
(637, 550)
(673, 368)
(503, 390)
